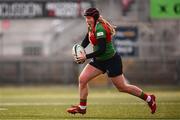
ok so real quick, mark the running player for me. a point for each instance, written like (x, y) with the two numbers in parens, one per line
(104, 59)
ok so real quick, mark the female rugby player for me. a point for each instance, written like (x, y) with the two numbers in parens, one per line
(104, 59)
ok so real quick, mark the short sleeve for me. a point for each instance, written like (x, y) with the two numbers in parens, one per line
(100, 31)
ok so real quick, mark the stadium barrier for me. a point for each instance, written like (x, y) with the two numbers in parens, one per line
(46, 71)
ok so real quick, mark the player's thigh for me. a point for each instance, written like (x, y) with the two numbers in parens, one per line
(89, 72)
(119, 81)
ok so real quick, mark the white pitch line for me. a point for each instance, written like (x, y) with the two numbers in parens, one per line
(54, 104)
(36, 104)
(1, 109)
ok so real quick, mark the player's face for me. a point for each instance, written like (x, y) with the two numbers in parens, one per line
(90, 20)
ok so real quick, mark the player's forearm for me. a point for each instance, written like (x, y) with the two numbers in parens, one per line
(85, 42)
(101, 50)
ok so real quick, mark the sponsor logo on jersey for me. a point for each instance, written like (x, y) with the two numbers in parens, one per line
(100, 34)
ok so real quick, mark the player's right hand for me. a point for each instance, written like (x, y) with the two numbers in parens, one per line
(79, 60)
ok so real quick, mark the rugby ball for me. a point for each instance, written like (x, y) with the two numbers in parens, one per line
(78, 51)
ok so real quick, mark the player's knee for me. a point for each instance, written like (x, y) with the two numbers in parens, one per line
(82, 80)
(123, 88)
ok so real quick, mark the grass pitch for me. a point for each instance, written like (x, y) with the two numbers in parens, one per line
(51, 102)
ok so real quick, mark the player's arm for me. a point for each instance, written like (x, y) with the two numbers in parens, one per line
(101, 50)
(85, 42)
(101, 42)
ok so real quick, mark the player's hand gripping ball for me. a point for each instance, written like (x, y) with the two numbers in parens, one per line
(79, 54)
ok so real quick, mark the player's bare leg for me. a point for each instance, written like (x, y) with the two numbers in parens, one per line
(122, 86)
(86, 75)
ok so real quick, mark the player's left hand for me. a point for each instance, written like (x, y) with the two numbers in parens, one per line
(80, 59)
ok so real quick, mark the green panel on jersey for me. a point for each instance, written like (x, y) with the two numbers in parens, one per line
(109, 53)
(100, 31)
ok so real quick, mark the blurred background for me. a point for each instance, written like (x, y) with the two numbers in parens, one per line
(36, 38)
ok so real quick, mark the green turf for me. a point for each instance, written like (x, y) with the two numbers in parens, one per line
(50, 103)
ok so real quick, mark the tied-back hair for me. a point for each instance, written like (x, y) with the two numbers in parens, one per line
(111, 27)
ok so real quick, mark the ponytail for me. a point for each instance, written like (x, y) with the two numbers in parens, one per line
(111, 27)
